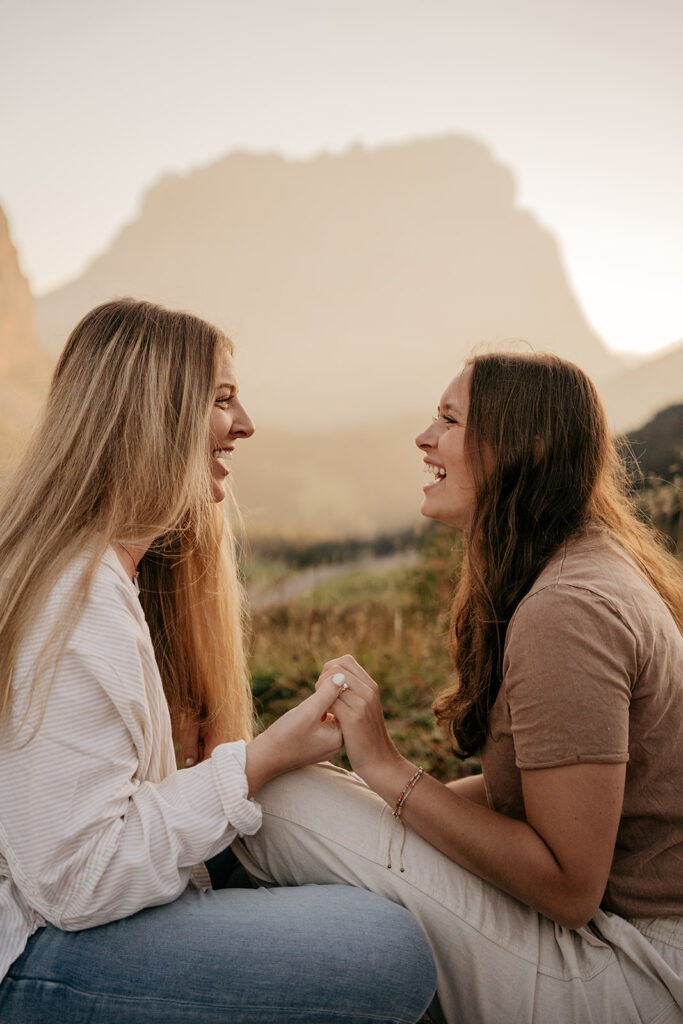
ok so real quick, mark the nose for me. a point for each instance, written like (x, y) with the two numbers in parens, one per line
(426, 439)
(242, 425)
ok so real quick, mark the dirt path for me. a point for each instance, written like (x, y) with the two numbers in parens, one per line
(304, 582)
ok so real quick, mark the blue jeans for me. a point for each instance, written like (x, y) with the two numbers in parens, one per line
(302, 955)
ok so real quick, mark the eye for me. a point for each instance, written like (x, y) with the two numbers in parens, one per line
(224, 401)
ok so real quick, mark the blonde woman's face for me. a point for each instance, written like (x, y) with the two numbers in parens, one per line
(229, 422)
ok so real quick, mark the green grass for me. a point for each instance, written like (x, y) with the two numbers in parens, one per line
(395, 624)
(362, 589)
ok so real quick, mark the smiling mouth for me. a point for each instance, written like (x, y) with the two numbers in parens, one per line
(438, 472)
(222, 455)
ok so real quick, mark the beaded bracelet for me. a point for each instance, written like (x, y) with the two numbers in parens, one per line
(396, 814)
(410, 786)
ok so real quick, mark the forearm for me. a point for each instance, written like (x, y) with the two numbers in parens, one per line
(504, 851)
(470, 786)
(261, 762)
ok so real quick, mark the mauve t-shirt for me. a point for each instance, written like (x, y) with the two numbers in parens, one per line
(593, 672)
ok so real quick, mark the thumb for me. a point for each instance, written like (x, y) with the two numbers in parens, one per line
(324, 697)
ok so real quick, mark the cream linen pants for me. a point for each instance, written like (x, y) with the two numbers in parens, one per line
(499, 961)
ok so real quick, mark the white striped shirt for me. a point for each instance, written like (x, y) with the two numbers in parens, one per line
(95, 821)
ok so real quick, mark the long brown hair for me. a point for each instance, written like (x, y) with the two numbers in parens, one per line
(545, 467)
(120, 455)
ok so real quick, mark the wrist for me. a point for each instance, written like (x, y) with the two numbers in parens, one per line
(259, 767)
(389, 778)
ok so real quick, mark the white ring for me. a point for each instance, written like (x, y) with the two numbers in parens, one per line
(339, 679)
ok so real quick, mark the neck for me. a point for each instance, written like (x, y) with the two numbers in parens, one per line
(129, 554)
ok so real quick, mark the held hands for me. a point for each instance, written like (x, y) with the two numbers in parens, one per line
(304, 735)
(358, 710)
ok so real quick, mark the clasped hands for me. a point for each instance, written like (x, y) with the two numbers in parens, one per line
(345, 712)
(358, 710)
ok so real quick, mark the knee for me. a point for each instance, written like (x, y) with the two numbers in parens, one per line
(390, 945)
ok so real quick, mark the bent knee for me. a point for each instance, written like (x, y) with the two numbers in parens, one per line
(395, 945)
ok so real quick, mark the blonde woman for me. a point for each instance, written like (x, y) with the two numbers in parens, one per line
(551, 885)
(120, 625)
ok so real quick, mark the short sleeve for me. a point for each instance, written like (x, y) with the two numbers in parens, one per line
(568, 673)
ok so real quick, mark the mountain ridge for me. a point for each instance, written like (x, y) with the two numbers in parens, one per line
(354, 286)
(336, 274)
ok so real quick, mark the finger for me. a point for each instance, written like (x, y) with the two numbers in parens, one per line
(188, 740)
(324, 697)
(350, 701)
(348, 664)
(330, 667)
(338, 680)
(329, 670)
(347, 667)
(333, 672)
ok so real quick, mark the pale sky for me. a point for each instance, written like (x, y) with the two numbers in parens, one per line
(582, 100)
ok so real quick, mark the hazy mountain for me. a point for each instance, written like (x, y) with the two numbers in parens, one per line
(356, 482)
(24, 364)
(353, 284)
(658, 444)
(637, 394)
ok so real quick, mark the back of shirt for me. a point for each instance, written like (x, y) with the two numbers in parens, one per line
(593, 672)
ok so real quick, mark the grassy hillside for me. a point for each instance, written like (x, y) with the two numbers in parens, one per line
(395, 624)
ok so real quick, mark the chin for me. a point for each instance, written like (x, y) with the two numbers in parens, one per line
(428, 512)
(442, 517)
(217, 491)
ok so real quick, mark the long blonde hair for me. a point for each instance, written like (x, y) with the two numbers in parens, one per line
(119, 455)
(555, 472)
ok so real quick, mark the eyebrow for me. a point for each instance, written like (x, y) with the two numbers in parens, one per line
(449, 407)
(227, 386)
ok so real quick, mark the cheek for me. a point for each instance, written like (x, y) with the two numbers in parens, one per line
(451, 451)
(216, 425)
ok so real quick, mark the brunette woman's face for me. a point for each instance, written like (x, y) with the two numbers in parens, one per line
(450, 497)
(229, 422)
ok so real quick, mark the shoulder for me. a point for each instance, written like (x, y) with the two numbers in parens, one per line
(594, 561)
(111, 596)
(88, 660)
(91, 615)
(592, 611)
(90, 597)
(578, 618)
(111, 633)
(592, 574)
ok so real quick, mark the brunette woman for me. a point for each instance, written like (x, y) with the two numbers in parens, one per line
(550, 885)
(120, 623)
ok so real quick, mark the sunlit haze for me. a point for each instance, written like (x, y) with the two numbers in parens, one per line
(581, 101)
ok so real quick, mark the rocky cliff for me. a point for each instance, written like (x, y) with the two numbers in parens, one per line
(24, 364)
